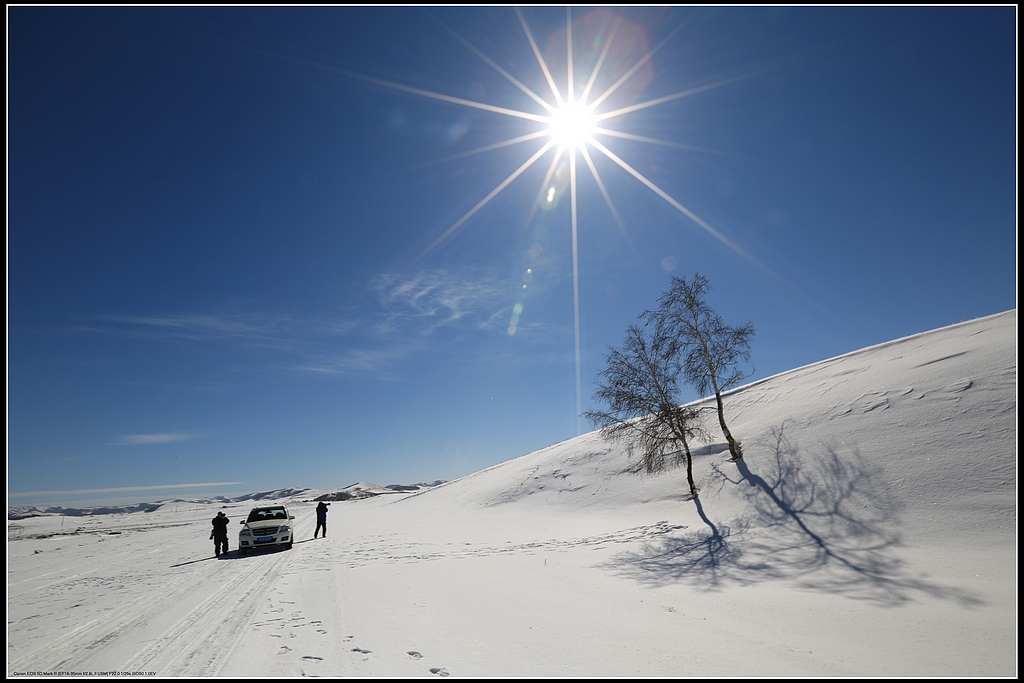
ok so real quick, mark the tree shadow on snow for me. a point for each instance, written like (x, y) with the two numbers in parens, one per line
(826, 521)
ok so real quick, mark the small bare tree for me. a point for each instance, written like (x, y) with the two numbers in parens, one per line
(709, 349)
(640, 387)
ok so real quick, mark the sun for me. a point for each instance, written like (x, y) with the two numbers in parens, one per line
(572, 125)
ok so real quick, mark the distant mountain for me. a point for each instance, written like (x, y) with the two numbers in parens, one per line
(365, 490)
(416, 487)
(276, 494)
(26, 511)
(355, 492)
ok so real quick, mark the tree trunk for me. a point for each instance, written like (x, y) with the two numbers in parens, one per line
(689, 471)
(734, 446)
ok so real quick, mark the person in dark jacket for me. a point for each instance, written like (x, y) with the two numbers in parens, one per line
(220, 533)
(321, 518)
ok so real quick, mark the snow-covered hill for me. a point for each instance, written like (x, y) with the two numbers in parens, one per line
(869, 531)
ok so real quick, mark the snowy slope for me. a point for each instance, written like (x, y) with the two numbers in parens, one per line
(869, 531)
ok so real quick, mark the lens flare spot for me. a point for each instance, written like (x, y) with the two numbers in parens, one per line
(517, 311)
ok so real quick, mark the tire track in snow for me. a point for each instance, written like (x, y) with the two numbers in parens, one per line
(198, 643)
(168, 620)
(201, 642)
(77, 648)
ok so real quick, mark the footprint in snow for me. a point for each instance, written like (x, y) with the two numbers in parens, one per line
(414, 654)
(361, 651)
(439, 672)
(314, 657)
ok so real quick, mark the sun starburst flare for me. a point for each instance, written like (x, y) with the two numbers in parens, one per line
(571, 125)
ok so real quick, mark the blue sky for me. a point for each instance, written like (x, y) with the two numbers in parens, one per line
(239, 252)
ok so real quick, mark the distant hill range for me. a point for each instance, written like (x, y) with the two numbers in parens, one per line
(365, 490)
(25, 511)
(354, 492)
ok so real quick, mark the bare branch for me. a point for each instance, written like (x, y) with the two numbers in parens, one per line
(640, 386)
(710, 350)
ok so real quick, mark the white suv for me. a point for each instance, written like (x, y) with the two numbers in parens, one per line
(266, 527)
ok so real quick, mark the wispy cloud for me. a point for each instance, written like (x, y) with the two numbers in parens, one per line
(148, 439)
(398, 315)
(256, 330)
(122, 489)
(428, 300)
(354, 361)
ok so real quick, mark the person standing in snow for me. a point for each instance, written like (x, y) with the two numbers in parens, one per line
(321, 518)
(220, 533)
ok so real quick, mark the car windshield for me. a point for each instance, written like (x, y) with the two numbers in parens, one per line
(264, 514)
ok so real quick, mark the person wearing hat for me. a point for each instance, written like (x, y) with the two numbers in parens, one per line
(220, 533)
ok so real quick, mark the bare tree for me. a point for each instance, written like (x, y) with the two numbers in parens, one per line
(709, 349)
(640, 387)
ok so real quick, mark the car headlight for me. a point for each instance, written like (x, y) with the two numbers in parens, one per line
(284, 529)
(245, 532)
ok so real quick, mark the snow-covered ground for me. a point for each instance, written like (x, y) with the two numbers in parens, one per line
(870, 531)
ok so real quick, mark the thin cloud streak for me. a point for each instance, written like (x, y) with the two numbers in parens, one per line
(356, 361)
(256, 330)
(411, 306)
(149, 439)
